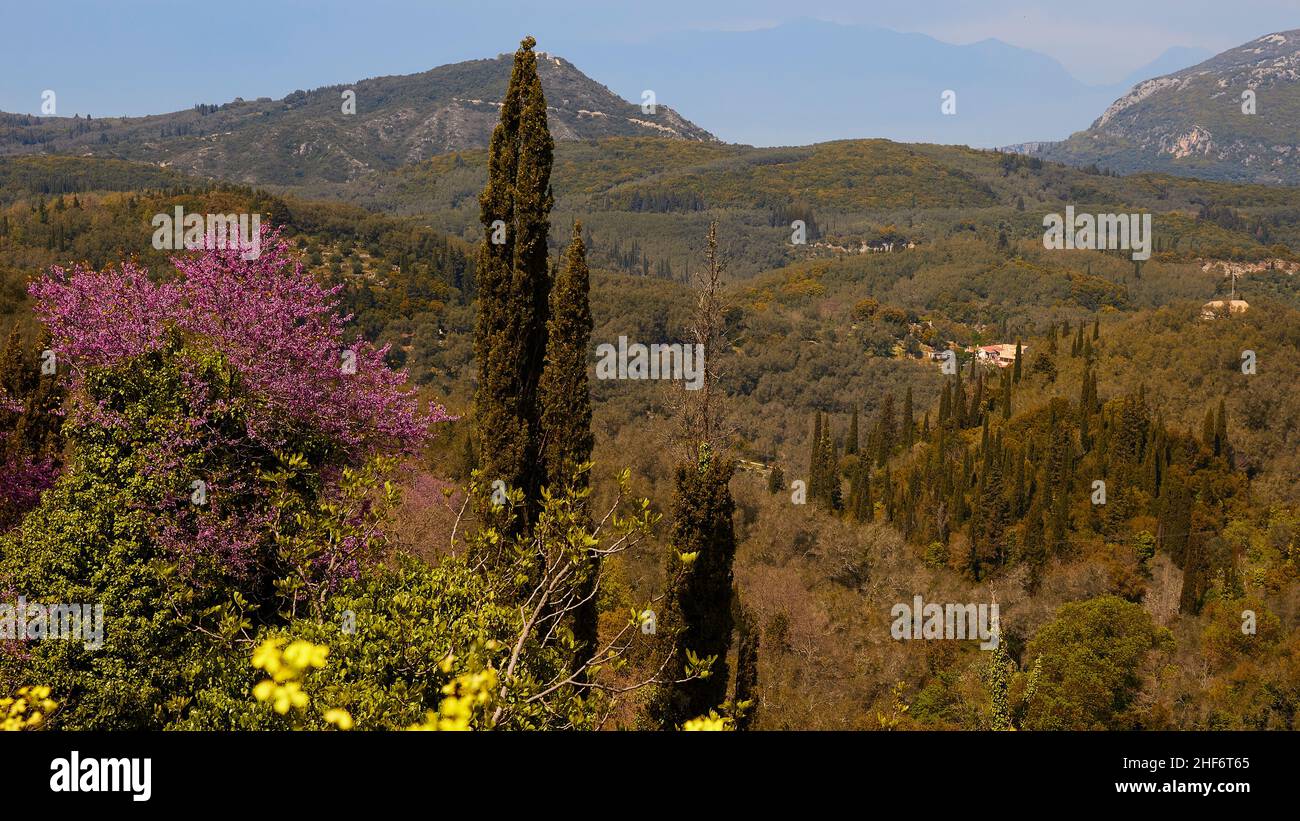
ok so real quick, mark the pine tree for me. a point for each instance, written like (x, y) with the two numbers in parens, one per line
(513, 288)
(566, 415)
(851, 443)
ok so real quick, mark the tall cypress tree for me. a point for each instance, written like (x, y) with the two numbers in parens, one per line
(860, 502)
(1006, 394)
(814, 485)
(1207, 429)
(513, 286)
(699, 600)
(746, 665)
(1221, 429)
(909, 422)
(564, 389)
(566, 412)
(698, 610)
(887, 434)
(834, 500)
(851, 443)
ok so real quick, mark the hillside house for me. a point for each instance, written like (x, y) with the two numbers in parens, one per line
(1223, 307)
(1000, 355)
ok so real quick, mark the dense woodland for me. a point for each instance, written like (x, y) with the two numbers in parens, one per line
(370, 499)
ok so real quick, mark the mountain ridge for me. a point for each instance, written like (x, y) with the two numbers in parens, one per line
(1230, 117)
(307, 136)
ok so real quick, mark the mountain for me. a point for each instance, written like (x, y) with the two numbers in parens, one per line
(1196, 122)
(811, 81)
(306, 137)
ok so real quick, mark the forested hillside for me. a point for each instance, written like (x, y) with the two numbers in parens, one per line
(1108, 462)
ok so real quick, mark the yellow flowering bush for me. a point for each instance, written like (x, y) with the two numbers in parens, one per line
(464, 696)
(712, 721)
(27, 710)
(287, 668)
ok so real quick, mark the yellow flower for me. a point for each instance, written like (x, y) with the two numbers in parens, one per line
(339, 718)
(264, 689)
(711, 722)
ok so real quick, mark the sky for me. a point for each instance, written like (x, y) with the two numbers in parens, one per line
(134, 57)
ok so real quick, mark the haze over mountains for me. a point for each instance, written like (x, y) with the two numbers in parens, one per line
(798, 83)
(809, 81)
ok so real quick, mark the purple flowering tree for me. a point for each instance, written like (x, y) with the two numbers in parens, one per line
(277, 431)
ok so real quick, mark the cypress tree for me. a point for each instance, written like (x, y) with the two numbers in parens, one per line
(1221, 430)
(851, 443)
(698, 608)
(566, 414)
(1015, 369)
(1207, 430)
(1196, 577)
(746, 666)
(976, 411)
(814, 458)
(866, 506)
(513, 287)
(564, 389)
(775, 480)
(909, 422)
(888, 434)
(699, 598)
(1006, 394)
(831, 461)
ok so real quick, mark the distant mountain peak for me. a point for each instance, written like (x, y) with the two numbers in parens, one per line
(1231, 116)
(306, 136)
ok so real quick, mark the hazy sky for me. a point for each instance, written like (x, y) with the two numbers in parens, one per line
(146, 56)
